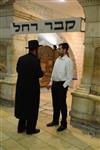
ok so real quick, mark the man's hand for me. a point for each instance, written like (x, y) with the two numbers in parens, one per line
(49, 86)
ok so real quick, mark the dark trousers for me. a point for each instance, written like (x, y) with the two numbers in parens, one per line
(30, 121)
(26, 125)
(59, 102)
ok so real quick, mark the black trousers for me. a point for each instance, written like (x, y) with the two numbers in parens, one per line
(26, 125)
(59, 102)
(29, 124)
(29, 121)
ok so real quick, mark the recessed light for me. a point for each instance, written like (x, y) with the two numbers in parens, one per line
(61, 0)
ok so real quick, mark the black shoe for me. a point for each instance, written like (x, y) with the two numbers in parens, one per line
(35, 131)
(62, 127)
(52, 124)
(21, 130)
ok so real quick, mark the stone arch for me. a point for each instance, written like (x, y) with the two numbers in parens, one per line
(21, 14)
(74, 64)
(75, 74)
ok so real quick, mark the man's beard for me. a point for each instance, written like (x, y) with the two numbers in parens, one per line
(61, 55)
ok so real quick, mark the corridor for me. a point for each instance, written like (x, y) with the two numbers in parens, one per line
(48, 138)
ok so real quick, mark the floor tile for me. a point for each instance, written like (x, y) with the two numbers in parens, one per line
(48, 138)
(12, 145)
(3, 136)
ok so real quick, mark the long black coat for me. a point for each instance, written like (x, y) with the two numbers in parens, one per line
(27, 95)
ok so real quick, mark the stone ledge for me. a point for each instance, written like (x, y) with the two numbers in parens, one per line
(7, 103)
(85, 95)
(90, 127)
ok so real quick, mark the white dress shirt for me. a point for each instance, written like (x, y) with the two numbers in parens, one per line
(62, 71)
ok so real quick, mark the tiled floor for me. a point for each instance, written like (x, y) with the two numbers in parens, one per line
(48, 138)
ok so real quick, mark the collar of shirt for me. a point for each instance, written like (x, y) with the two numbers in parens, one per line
(64, 57)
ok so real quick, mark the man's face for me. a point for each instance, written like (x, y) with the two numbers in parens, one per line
(61, 51)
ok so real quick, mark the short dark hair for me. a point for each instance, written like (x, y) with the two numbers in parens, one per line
(64, 46)
(54, 47)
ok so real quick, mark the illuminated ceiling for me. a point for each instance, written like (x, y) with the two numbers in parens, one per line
(68, 9)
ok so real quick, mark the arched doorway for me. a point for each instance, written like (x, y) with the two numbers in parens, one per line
(38, 13)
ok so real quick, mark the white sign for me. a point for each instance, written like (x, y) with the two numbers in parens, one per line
(47, 26)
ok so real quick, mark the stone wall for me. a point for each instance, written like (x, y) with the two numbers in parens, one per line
(85, 111)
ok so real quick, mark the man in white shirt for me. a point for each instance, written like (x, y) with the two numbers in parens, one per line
(61, 78)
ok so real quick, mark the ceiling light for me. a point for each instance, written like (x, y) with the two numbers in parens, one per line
(61, 0)
(52, 38)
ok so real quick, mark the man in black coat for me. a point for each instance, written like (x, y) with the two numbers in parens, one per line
(27, 97)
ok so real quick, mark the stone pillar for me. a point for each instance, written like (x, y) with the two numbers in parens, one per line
(14, 44)
(85, 110)
(6, 17)
(8, 83)
(15, 48)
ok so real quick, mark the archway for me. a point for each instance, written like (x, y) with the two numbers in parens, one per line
(15, 50)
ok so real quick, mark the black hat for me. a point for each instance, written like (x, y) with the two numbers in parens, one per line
(33, 44)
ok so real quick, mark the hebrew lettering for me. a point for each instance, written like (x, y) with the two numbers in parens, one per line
(25, 26)
(69, 24)
(17, 27)
(50, 24)
(59, 27)
(35, 24)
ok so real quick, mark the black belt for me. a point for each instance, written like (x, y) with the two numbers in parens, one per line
(58, 82)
